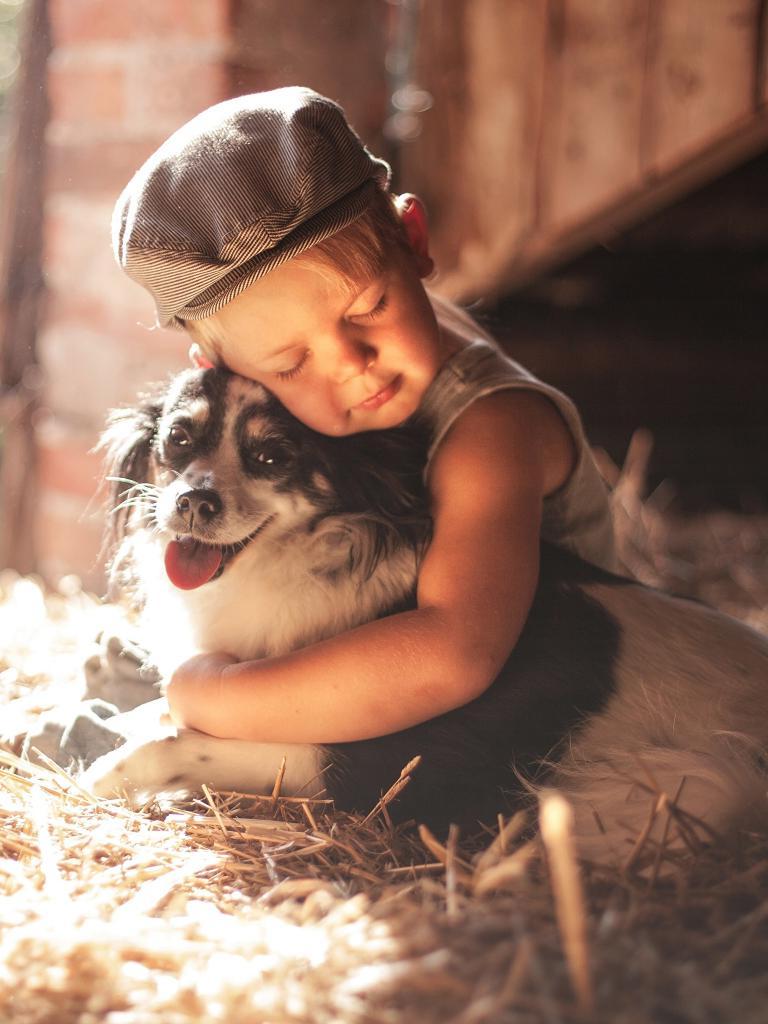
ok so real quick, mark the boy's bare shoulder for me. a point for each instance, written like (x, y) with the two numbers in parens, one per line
(511, 438)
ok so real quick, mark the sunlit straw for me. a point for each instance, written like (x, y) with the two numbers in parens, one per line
(556, 819)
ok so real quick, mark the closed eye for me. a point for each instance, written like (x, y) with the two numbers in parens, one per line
(371, 314)
(377, 310)
(294, 371)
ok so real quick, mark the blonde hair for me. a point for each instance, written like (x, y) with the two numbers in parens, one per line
(357, 253)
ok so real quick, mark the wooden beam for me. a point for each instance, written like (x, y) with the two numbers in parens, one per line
(547, 251)
(701, 73)
(592, 118)
(761, 62)
(21, 290)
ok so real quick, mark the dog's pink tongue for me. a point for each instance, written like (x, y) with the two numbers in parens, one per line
(190, 564)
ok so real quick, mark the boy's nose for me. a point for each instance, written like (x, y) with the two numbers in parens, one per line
(349, 357)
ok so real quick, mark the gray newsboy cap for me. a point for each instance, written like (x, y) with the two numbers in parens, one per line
(241, 188)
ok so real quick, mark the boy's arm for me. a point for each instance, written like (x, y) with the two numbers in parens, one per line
(476, 584)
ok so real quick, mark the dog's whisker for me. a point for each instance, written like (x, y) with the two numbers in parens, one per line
(138, 486)
(135, 501)
(124, 480)
(138, 494)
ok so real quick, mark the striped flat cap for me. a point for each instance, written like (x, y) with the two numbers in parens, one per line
(241, 188)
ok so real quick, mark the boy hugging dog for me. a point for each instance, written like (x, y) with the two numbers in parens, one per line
(493, 643)
(266, 229)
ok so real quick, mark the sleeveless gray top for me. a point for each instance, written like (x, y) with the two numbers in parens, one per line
(577, 516)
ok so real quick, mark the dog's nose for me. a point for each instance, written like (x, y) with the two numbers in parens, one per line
(199, 503)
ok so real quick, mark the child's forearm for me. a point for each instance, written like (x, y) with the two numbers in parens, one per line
(370, 681)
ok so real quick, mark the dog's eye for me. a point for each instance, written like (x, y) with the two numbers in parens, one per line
(179, 437)
(266, 455)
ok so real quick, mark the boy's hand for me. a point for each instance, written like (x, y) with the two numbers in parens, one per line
(193, 689)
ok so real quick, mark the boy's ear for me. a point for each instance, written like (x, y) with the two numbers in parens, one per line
(413, 216)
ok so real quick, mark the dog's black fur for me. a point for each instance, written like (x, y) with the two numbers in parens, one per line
(479, 760)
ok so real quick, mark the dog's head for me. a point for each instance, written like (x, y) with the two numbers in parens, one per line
(212, 463)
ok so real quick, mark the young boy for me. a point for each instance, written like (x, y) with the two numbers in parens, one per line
(264, 227)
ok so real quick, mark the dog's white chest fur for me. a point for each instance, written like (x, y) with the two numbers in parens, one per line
(273, 598)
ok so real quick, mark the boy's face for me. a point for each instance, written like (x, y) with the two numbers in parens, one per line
(341, 360)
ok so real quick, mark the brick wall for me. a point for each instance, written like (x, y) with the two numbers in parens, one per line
(121, 77)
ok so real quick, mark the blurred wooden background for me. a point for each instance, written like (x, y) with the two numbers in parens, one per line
(556, 125)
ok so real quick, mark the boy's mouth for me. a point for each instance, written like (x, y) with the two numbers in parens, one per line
(382, 396)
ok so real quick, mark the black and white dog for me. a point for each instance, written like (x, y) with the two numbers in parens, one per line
(241, 530)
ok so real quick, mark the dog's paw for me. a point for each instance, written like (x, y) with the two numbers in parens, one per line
(73, 734)
(109, 776)
(119, 671)
(135, 771)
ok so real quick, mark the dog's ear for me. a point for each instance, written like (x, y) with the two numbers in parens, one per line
(127, 445)
(377, 476)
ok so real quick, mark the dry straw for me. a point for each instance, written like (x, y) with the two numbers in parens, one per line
(556, 823)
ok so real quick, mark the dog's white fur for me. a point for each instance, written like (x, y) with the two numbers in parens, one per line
(285, 598)
(688, 716)
(689, 719)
